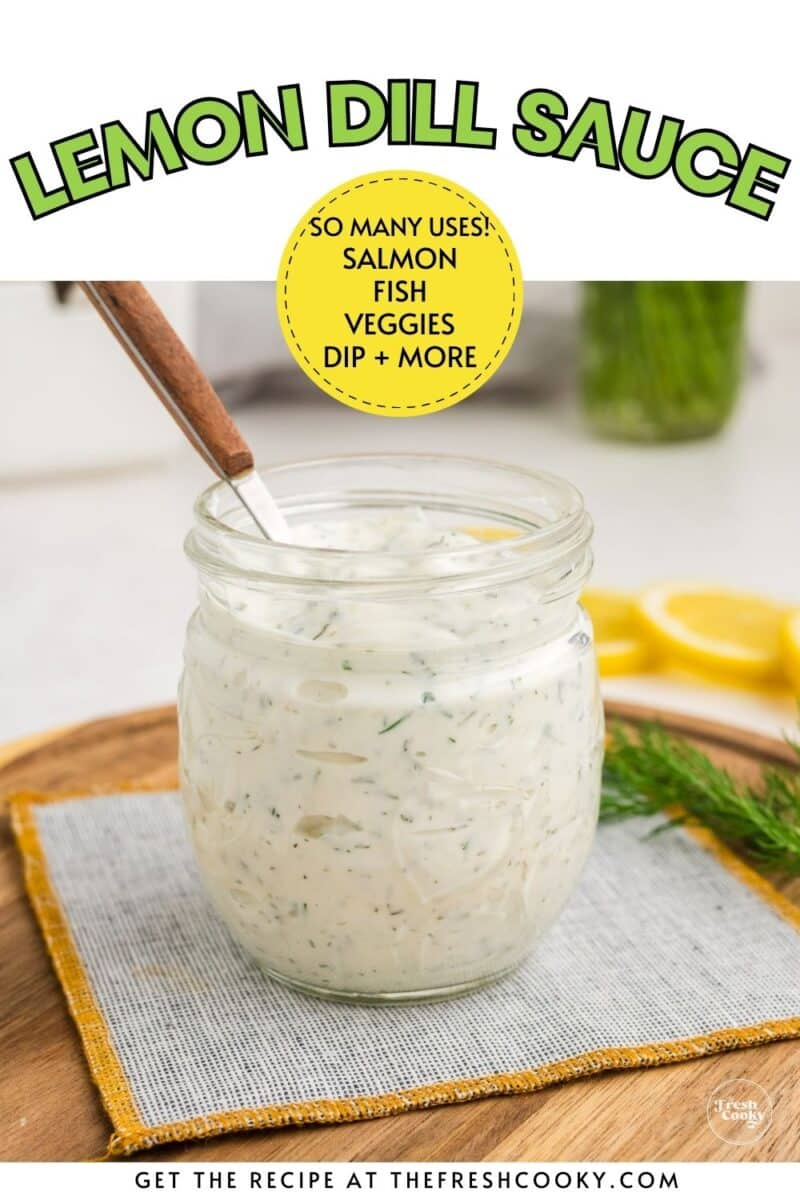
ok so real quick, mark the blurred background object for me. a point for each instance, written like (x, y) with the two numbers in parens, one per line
(242, 349)
(661, 361)
(71, 401)
(94, 587)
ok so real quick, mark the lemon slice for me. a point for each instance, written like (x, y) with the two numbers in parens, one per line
(621, 650)
(709, 627)
(790, 644)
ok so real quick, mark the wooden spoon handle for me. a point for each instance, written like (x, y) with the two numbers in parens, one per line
(154, 347)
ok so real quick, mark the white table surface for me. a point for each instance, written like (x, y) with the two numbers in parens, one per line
(96, 592)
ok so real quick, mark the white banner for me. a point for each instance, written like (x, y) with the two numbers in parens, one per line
(573, 106)
(446, 1181)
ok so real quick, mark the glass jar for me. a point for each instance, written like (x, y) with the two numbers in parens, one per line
(390, 757)
(661, 361)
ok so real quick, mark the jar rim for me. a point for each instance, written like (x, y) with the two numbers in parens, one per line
(539, 539)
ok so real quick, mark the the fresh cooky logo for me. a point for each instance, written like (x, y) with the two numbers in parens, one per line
(739, 1112)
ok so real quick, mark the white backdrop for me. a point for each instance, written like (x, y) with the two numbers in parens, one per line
(71, 67)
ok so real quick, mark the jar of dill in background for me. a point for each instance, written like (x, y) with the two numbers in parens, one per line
(661, 361)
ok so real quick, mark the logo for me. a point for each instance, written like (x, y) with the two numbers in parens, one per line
(739, 1112)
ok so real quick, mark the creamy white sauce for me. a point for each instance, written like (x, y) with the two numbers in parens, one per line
(389, 795)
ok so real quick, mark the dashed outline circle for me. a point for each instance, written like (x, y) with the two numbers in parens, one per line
(393, 177)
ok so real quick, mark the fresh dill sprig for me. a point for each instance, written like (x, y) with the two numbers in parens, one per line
(651, 771)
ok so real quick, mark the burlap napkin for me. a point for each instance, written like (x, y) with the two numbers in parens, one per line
(671, 949)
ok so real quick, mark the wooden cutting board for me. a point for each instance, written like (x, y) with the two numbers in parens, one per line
(49, 1108)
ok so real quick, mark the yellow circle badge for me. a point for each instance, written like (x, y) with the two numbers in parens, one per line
(399, 293)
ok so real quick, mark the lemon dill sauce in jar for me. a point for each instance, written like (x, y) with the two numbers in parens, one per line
(390, 730)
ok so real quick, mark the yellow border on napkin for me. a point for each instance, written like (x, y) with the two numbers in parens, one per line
(131, 1134)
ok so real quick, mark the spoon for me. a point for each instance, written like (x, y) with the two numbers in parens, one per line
(184, 389)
